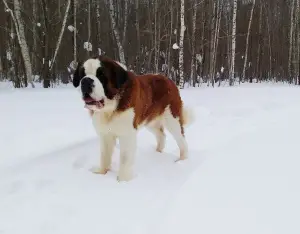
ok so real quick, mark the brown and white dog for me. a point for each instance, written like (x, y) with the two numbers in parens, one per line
(121, 102)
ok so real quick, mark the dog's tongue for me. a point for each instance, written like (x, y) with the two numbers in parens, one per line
(88, 99)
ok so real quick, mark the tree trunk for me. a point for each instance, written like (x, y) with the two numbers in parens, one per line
(233, 44)
(89, 30)
(125, 23)
(170, 40)
(46, 71)
(258, 57)
(20, 31)
(193, 67)
(291, 41)
(98, 22)
(247, 41)
(298, 42)
(116, 32)
(75, 31)
(181, 48)
(137, 20)
(61, 33)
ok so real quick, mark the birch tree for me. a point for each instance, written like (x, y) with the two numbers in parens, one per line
(193, 66)
(298, 41)
(75, 31)
(247, 41)
(61, 33)
(181, 48)
(233, 44)
(116, 32)
(291, 40)
(20, 31)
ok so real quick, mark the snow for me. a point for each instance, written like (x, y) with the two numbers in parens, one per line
(175, 46)
(71, 28)
(88, 46)
(242, 175)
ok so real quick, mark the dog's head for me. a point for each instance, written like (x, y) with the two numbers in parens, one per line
(100, 80)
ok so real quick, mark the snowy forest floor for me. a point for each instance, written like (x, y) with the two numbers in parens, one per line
(242, 175)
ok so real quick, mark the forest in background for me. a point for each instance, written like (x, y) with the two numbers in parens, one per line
(191, 41)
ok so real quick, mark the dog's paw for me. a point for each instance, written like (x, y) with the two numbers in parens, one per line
(181, 159)
(159, 149)
(125, 176)
(101, 171)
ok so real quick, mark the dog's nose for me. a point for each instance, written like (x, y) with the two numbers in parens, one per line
(87, 85)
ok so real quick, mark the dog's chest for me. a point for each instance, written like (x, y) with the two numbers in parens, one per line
(116, 124)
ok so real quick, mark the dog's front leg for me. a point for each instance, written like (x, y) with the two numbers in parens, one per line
(127, 156)
(107, 144)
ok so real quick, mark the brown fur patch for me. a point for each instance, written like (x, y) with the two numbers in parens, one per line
(149, 95)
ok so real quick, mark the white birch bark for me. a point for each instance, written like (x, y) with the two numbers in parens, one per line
(247, 41)
(125, 23)
(270, 48)
(116, 32)
(170, 40)
(19, 25)
(1, 68)
(258, 78)
(193, 70)
(89, 28)
(75, 31)
(213, 19)
(61, 33)
(34, 35)
(181, 48)
(217, 31)
(291, 41)
(298, 41)
(137, 26)
(155, 37)
(233, 44)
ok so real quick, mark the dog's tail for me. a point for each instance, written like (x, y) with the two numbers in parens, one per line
(188, 116)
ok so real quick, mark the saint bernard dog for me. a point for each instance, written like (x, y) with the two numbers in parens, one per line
(121, 102)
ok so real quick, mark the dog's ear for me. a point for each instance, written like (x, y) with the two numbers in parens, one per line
(115, 71)
(78, 74)
(121, 75)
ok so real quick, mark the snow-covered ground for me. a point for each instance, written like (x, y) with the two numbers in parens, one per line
(242, 175)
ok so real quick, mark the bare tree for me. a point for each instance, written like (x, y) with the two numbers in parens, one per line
(181, 48)
(291, 40)
(116, 32)
(247, 41)
(19, 26)
(193, 65)
(232, 64)
(61, 33)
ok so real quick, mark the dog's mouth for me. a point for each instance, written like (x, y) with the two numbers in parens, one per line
(92, 102)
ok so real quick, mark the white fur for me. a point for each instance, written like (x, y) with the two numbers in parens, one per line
(188, 116)
(127, 155)
(98, 90)
(91, 66)
(110, 126)
(173, 126)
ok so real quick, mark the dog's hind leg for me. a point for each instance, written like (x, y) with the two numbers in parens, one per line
(175, 127)
(158, 130)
